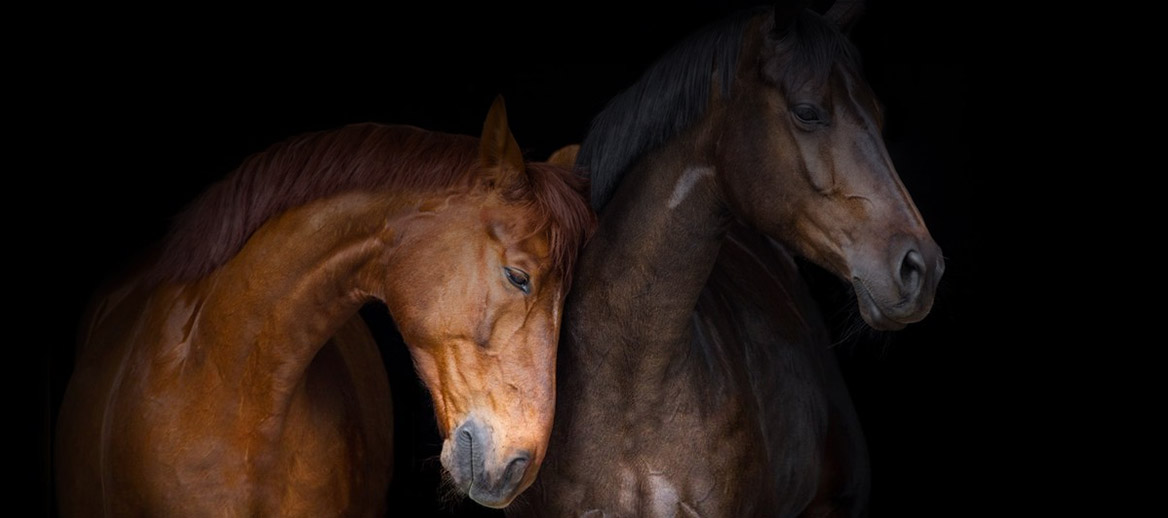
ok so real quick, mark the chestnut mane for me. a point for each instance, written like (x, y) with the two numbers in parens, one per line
(365, 156)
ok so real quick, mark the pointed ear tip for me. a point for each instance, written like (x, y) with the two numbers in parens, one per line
(498, 147)
(498, 111)
(495, 124)
(565, 156)
(498, 104)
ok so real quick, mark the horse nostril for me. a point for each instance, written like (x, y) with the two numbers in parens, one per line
(912, 268)
(465, 439)
(468, 459)
(516, 468)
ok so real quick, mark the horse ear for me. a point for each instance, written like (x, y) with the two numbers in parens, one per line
(565, 157)
(499, 154)
(844, 13)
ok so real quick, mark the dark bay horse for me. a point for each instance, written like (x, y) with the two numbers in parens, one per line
(231, 375)
(695, 375)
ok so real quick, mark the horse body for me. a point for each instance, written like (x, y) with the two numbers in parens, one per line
(756, 300)
(307, 426)
(694, 368)
(243, 382)
(695, 373)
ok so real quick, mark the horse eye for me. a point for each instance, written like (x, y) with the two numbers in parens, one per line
(518, 278)
(806, 113)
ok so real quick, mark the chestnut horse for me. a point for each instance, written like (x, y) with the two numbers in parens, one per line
(695, 375)
(232, 375)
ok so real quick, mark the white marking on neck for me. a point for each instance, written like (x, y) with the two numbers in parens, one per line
(686, 183)
(663, 496)
(626, 500)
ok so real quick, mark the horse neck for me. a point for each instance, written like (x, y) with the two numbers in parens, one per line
(654, 248)
(296, 281)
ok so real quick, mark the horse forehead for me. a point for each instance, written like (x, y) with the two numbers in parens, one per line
(518, 228)
(851, 93)
(535, 243)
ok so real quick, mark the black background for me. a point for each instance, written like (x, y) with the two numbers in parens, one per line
(131, 119)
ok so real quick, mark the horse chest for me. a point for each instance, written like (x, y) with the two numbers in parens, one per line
(639, 490)
(673, 458)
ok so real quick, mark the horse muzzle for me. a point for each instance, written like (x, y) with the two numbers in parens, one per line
(491, 477)
(899, 290)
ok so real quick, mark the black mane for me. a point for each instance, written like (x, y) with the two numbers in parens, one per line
(670, 97)
(673, 93)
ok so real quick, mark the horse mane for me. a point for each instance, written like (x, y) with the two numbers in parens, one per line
(367, 156)
(816, 46)
(673, 93)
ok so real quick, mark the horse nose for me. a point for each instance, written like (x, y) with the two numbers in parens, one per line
(496, 488)
(513, 473)
(919, 270)
(469, 443)
(912, 268)
(490, 483)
